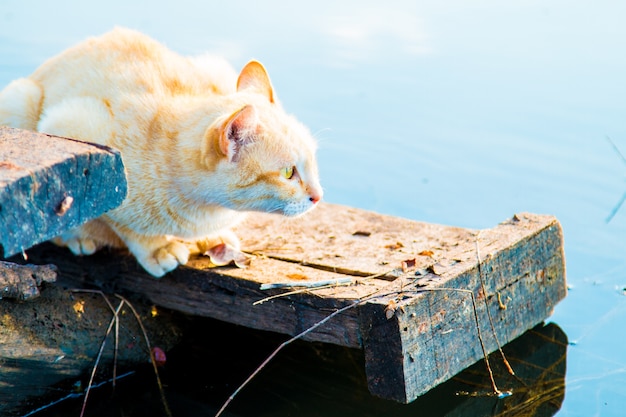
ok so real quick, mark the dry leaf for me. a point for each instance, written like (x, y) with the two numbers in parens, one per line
(409, 263)
(8, 165)
(362, 233)
(437, 268)
(442, 266)
(224, 254)
(433, 270)
(298, 277)
(391, 308)
(394, 246)
(428, 253)
(159, 356)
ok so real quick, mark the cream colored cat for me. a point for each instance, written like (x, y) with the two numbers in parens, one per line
(199, 144)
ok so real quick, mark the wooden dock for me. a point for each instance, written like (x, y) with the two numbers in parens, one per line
(411, 290)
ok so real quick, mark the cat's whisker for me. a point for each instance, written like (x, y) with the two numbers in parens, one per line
(322, 130)
(278, 208)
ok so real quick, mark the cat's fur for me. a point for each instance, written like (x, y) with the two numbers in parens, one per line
(199, 144)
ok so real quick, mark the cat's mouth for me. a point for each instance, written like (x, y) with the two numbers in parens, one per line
(296, 209)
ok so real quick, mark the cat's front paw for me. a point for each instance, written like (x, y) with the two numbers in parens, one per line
(227, 237)
(76, 244)
(165, 259)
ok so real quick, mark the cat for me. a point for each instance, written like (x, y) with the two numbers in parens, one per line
(201, 144)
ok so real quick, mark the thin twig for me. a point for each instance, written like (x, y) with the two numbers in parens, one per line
(117, 327)
(298, 291)
(115, 320)
(74, 395)
(298, 336)
(286, 294)
(375, 294)
(484, 289)
(95, 366)
(615, 209)
(115, 351)
(306, 284)
(621, 201)
(354, 280)
(479, 332)
(616, 149)
(168, 412)
(279, 348)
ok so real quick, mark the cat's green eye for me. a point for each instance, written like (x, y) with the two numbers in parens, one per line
(287, 172)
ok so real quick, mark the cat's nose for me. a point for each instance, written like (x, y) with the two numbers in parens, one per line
(315, 196)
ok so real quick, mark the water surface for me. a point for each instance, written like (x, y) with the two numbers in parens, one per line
(460, 113)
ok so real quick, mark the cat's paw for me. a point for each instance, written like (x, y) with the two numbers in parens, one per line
(165, 259)
(228, 237)
(223, 249)
(76, 244)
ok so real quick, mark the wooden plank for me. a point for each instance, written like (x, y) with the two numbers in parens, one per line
(50, 184)
(430, 337)
(433, 334)
(350, 240)
(224, 293)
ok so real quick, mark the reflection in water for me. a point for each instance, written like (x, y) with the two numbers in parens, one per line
(539, 360)
(313, 379)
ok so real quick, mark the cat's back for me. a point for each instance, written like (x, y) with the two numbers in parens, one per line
(123, 61)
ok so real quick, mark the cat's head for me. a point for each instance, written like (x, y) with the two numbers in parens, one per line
(267, 155)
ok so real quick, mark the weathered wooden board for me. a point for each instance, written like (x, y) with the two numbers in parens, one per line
(50, 184)
(416, 326)
(435, 333)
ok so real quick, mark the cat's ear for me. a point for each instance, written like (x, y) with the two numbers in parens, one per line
(254, 77)
(238, 130)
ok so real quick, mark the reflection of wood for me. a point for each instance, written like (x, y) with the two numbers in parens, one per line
(538, 387)
(50, 184)
(426, 338)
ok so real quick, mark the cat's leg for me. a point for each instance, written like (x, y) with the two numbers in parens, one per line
(20, 104)
(76, 242)
(158, 255)
(88, 238)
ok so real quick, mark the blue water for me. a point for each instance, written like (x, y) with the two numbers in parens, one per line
(458, 112)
